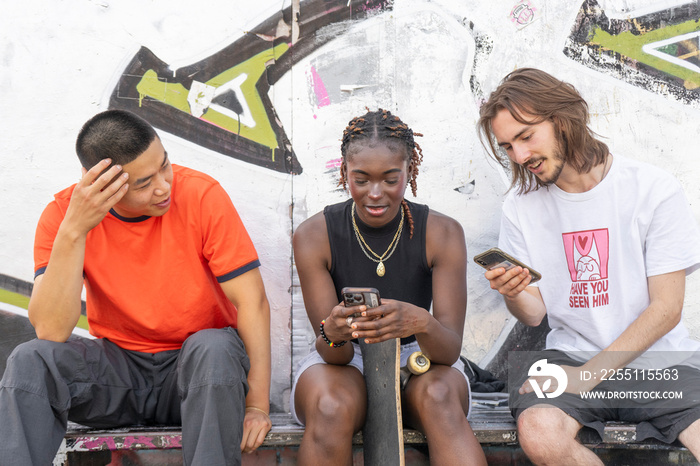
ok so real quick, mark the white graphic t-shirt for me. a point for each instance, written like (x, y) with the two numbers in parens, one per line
(596, 249)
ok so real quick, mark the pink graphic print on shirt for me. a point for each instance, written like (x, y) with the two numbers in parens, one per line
(587, 259)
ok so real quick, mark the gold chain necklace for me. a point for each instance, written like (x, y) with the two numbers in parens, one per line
(381, 270)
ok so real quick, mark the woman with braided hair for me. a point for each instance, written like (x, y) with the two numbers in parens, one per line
(416, 258)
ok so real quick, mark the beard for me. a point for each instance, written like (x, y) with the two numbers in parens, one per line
(558, 160)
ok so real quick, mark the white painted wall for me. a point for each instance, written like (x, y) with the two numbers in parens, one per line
(59, 61)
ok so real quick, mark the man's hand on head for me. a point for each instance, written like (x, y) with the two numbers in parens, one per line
(99, 189)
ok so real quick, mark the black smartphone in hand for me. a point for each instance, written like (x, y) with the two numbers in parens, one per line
(495, 258)
(354, 296)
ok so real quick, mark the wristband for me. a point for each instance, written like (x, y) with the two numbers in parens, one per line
(325, 338)
(258, 409)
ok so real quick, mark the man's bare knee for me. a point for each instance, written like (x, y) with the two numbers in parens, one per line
(542, 429)
(690, 438)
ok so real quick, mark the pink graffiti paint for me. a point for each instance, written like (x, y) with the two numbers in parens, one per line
(522, 13)
(174, 441)
(334, 163)
(370, 8)
(322, 97)
(141, 441)
(96, 443)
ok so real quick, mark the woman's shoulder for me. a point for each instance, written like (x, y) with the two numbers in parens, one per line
(310, 242)
(445, 242)
(444, 223)
(312, 226)
(339, 209)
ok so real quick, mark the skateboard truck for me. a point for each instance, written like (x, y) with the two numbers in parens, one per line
(417, 364)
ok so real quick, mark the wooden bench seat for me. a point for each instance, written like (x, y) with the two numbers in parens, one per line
(491, 421)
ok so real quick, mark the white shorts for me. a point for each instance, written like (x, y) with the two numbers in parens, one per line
(314, 358)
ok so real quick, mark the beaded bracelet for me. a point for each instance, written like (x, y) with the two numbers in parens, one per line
(325, 338)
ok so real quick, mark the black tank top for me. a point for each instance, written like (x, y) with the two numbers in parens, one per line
(408, 277)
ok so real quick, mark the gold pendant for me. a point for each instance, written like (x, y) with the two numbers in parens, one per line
(380, 269)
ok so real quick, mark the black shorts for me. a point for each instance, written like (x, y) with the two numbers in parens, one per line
(655, 418)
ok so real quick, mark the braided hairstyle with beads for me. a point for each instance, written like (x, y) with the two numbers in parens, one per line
(381, 125)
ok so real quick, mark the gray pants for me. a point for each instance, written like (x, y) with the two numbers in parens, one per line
(96, 383)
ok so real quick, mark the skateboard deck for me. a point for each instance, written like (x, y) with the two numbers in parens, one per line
(382, 434)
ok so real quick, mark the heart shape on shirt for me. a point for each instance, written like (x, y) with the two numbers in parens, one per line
(582, 240)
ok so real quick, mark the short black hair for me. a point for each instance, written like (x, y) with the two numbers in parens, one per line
(116, 134)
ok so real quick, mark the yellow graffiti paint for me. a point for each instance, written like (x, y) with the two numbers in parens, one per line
(630, 46)
(175, 94)
(14, 299)
(83, 323)
(19, 300)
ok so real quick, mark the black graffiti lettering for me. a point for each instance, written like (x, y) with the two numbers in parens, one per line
(245, 125)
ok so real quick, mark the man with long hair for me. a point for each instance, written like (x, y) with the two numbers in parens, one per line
(613, 239)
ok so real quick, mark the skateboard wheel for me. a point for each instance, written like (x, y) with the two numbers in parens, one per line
(418, 363)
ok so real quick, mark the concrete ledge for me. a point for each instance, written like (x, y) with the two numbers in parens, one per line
(491, 421)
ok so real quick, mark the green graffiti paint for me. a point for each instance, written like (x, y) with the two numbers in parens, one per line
(175, 94)
(21, 301)
(158, 88)
(14, 299)
(82, 322)
(630, 46)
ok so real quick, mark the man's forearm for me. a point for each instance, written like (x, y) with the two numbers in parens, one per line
(260, 369)
(527, 307)
(54, 308)
(254, 330)
(666, 293)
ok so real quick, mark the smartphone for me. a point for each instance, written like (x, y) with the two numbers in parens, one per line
(494, 258)
(353, 296)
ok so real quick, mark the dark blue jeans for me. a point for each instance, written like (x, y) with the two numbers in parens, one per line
(96, 383)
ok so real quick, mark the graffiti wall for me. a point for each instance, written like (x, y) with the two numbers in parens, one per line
(257, 94)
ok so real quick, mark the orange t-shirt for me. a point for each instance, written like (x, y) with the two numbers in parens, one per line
(153, 281)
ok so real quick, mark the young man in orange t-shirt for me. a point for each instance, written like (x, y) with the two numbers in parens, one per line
(174, 297)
